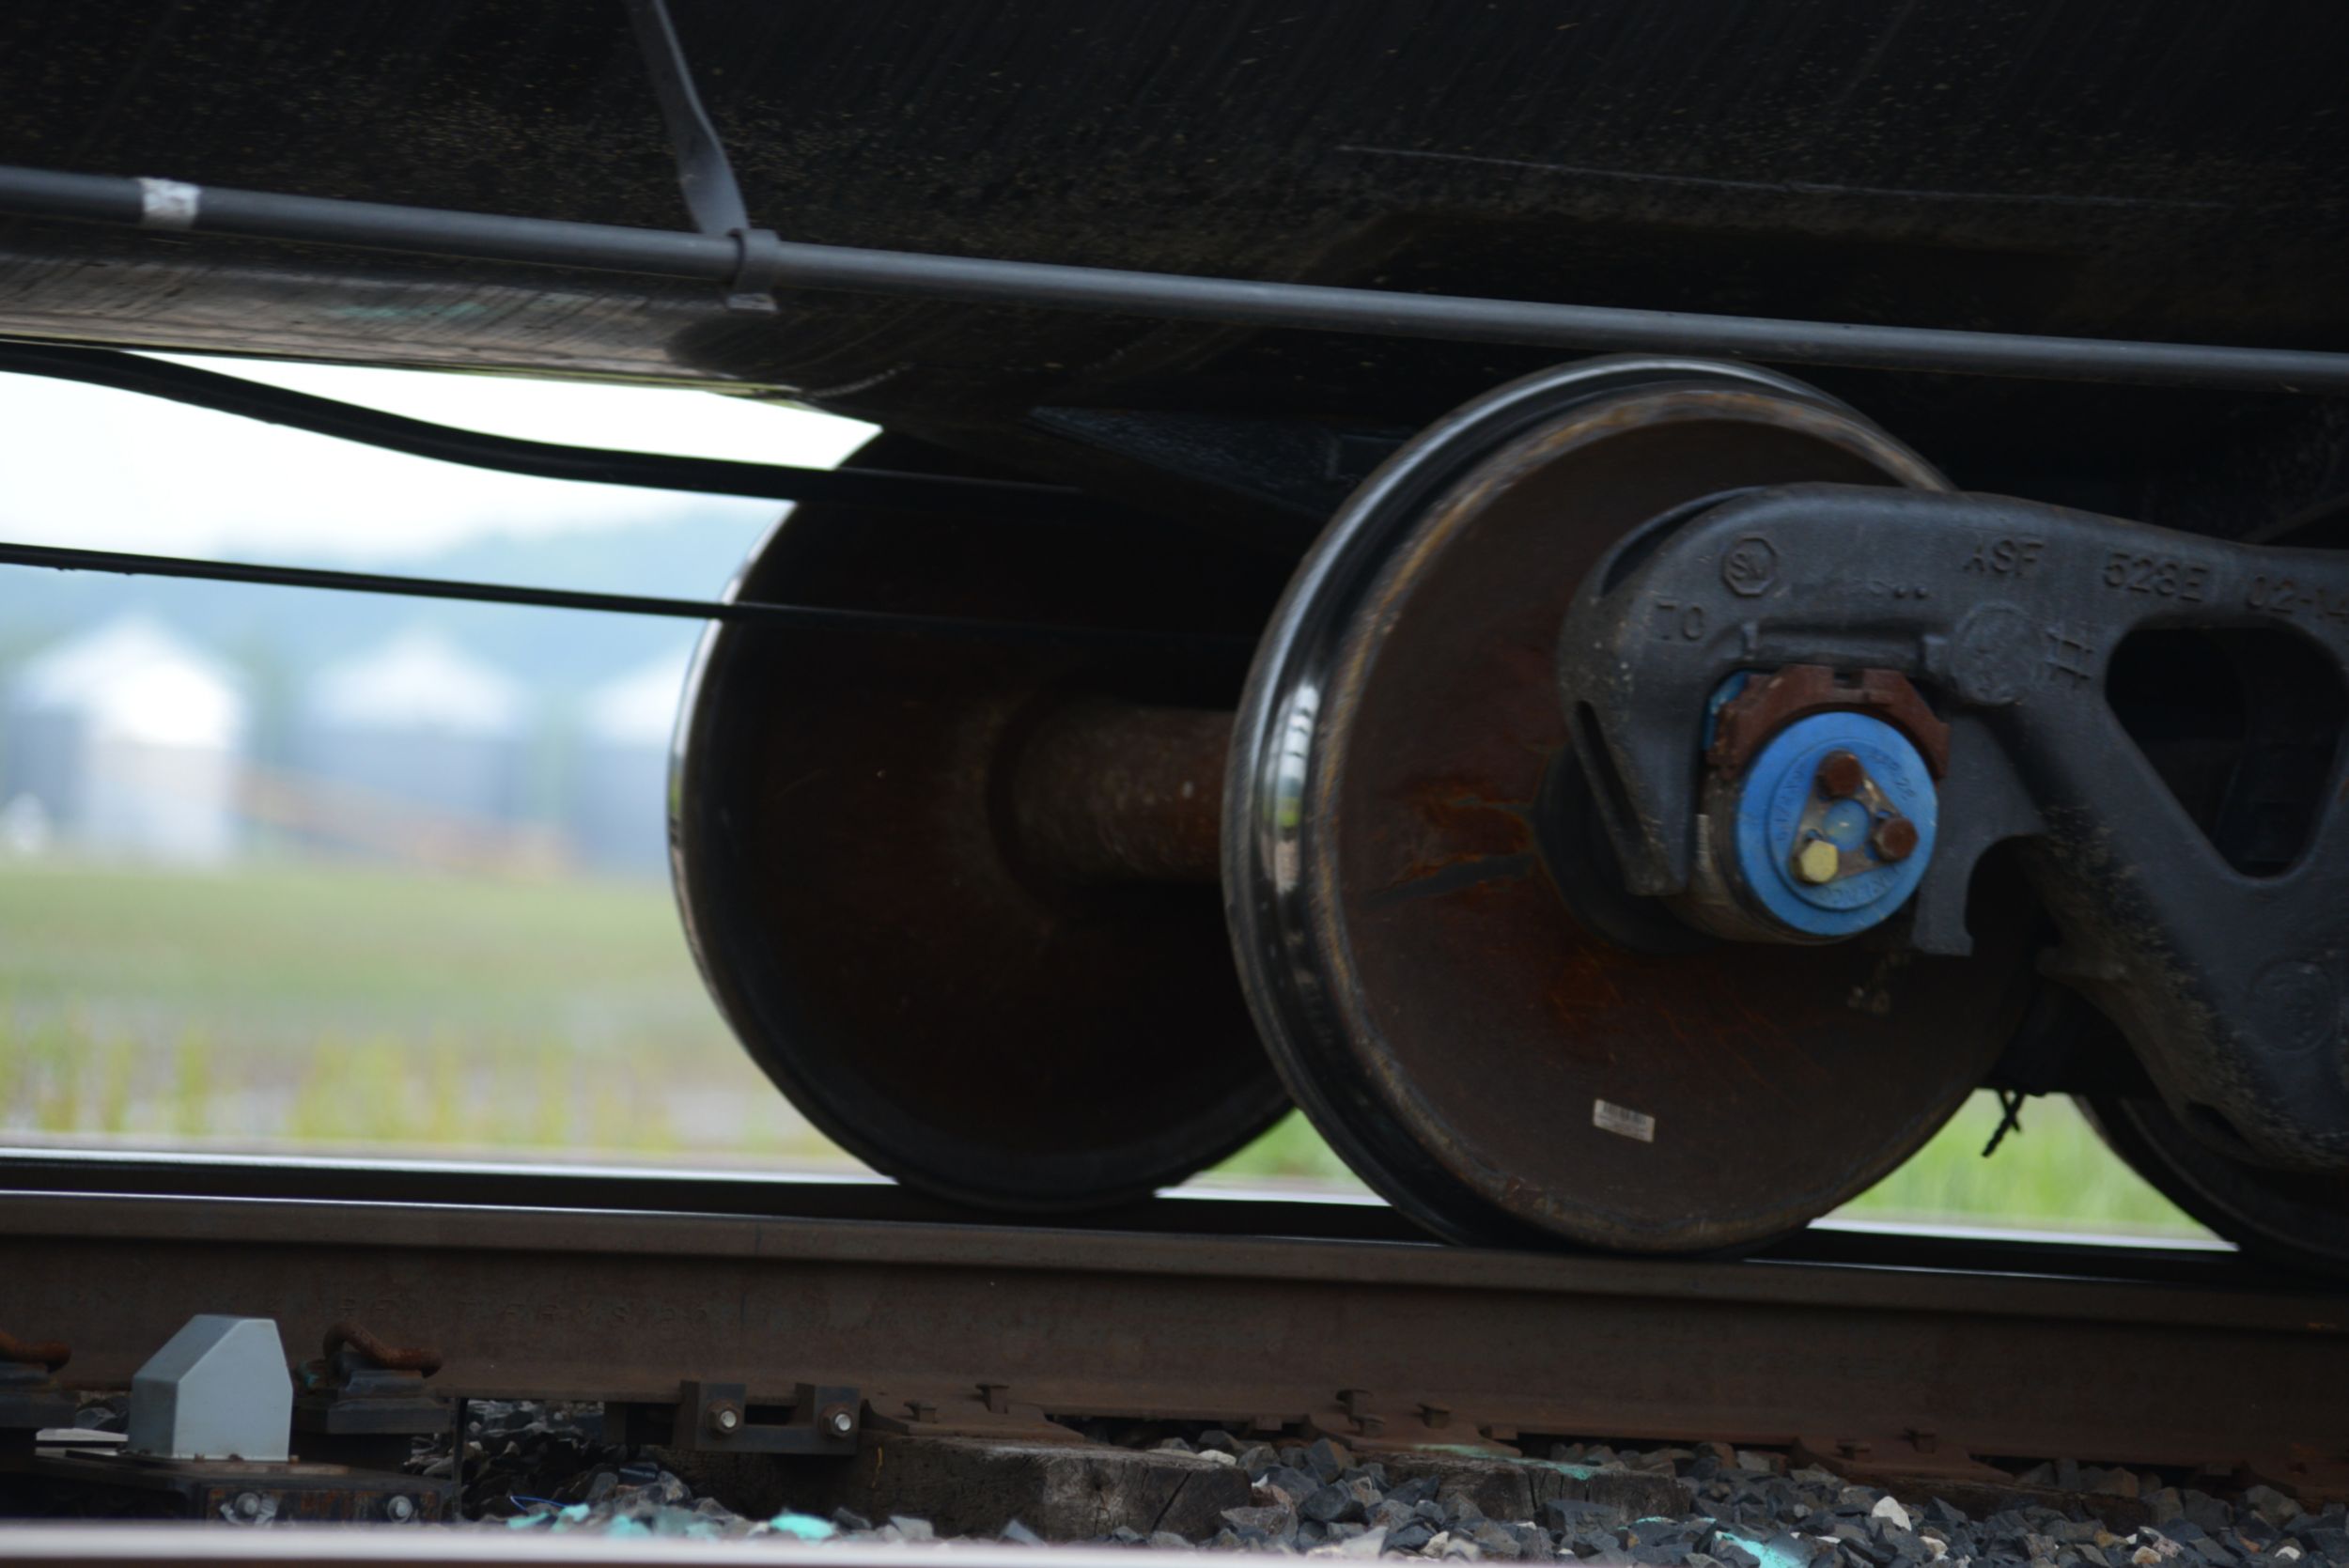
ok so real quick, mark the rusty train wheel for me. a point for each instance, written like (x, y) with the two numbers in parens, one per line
(1397, 833)
(936, 995)
(2298, 1218)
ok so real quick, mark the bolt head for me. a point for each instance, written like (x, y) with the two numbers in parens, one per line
(726, 1418)
(248, 1505)
(1819, 861)
(1839, 775)
(400, 1510)
(840, 1422)
(1896, 838)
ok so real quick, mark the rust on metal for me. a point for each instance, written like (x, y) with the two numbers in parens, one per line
(1897, 839)
(50, 1354)
(1115, 792)
(1492, 1060)
(1771, 703)
(390, 1358)
(593, 1305)
(1841, 775)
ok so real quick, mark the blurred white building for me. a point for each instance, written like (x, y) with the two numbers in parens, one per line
(130, 740)
(419, 725)
(620, 780)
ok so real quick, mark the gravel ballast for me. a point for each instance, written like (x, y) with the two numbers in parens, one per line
(1706, 1506)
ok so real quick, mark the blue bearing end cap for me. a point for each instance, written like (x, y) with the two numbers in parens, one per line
(1779, 808)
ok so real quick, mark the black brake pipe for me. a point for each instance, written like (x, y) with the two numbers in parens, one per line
(721, 258)
(824, 618)
(873, 487)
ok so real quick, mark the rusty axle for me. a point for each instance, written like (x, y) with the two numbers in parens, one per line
(1116, 792)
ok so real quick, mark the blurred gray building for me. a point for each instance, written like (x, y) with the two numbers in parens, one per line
(414, 727)
(620, 773)
(125, 739)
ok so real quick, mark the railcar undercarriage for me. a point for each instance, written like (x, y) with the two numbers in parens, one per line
(1644, 801)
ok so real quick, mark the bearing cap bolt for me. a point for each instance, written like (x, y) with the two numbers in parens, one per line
(1896, 838)
(1818, 863)
(1840, 775)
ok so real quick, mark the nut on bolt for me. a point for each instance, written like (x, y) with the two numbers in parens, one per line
(724, 1418)
(1819, 861)
(1896, 838)
(1840, 775)
(836, 1420)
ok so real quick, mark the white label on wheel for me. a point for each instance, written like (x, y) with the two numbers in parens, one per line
(1623, 1119)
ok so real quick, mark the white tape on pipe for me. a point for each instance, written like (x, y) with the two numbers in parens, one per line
(168, 204)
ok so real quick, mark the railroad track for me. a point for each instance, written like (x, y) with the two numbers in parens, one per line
(1881, 1352)
(136, 1547)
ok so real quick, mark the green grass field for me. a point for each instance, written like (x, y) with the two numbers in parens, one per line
(337, 1008)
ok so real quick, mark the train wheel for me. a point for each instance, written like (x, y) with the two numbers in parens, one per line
(956, 1002)
(1417, 895)
(2293, 1218)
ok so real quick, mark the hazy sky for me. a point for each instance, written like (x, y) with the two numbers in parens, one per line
(111, 470)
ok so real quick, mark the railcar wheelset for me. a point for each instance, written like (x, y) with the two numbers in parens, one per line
(1648, 814)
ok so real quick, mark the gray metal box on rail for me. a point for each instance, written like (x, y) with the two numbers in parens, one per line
(217, 1390)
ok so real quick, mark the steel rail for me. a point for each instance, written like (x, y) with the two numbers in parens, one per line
(142, 1546)
(824, 618)
(1196, 1211)
(622, 1306)
(716, 258)
(878, 489)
